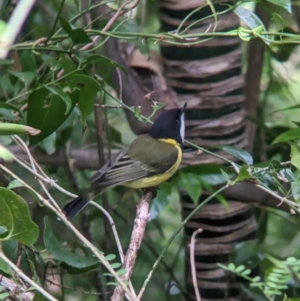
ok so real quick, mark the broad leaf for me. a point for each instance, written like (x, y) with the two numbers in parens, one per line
(8, 106)
(192, 184)
(289, 135)
(5, 154)
(58, 251)
(26, 77)
(249, 17)
(78, 35)
(63, 95)
(295, 155)
(243, 175)
(239, 153)
(296, 191)
(15, 217)
(165, 194)
(46, 112)
(88, 89)
(286, 4)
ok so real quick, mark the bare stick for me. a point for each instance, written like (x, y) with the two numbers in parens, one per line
(192, 262)
(15, 290)
(26, 278)
(140, 222)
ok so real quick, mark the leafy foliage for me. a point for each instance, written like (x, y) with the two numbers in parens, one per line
(50, 86)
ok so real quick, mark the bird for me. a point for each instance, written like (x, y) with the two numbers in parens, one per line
(148, 161)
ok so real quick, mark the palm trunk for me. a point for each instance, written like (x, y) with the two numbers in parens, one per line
(209, 76)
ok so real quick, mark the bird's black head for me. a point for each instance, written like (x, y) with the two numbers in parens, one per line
(170, 125)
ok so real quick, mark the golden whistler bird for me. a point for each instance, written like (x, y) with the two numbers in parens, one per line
(148, 161)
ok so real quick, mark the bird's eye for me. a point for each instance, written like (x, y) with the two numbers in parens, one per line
(177, 121)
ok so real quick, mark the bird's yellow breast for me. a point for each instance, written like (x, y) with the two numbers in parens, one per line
(159, 178)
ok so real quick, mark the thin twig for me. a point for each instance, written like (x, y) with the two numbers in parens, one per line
(192, 262)
(140, 222)
(26, 278)
(62, 217)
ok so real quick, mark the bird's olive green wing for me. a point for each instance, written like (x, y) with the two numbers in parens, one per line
(145, 157)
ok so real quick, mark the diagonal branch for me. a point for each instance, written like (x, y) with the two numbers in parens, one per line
(140, 222)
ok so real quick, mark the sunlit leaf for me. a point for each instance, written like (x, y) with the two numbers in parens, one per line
(289, 135)
(5, 154)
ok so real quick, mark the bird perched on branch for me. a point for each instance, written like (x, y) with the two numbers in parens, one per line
(147, 162)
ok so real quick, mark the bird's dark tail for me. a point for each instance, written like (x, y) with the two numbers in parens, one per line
(73, 207)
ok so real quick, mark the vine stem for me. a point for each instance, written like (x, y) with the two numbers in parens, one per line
(174, 235)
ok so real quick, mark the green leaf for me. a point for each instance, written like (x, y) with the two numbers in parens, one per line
(167, 193)
(46, 112)
(249, 17)
(58, 251)
(239, 153)
(138, 113)
(296, 191)
(26, 77)
(6, 62)
(9, 106)
(104, 61)
(243, 174)
(5, 154)
(39, 297)
(3, 230)
(295, 155)
(78, 35)
(15, 217)
(110, 257)
(121, 272)
(63, 95)
(240, 268)
(88, 89)
(192, 184)
(289, 135)
(5, 268)
(286, 4)
(3, 296)
(209, 173)
(254, 293)
(28, 61)
(49, 143)
(116, 265)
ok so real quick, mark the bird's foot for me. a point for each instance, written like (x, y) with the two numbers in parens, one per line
(153, 191)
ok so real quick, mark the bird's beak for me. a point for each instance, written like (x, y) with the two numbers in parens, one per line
(182, 109)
